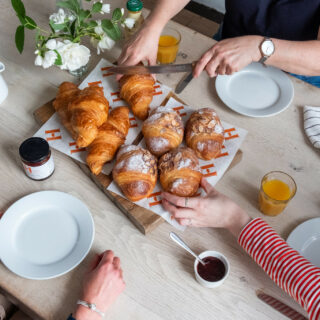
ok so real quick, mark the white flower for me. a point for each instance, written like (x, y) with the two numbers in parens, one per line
(122, 11)
(38, 61)
(71, 17)
(105, 43)
(51, 44)
(105, 8)
(98, 29)
(59, 17)
(73, 55)
(49, 59)
(129, 22)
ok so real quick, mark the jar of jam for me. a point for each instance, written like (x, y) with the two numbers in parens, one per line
(36, 158)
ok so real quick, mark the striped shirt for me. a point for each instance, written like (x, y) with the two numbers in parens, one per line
(285, 266)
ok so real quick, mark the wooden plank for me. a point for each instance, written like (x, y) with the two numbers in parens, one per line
(144, 219)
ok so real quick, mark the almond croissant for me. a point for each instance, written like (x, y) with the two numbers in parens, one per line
(89, 110)
(111, 135)
(204, 133)
(135, 172)
(180, 172)
(67, 92)
(137, 91)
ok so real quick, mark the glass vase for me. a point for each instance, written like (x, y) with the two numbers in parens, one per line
(79, 72)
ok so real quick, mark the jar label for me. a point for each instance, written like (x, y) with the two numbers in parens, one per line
(41, 172)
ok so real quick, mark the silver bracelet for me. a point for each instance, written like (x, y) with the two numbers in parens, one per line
(91, 306)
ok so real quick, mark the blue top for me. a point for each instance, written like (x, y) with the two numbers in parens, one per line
(282, 19)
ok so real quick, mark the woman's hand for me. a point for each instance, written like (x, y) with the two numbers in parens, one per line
(142, 46)
(101, 285)
(214, 210)
(229, 56)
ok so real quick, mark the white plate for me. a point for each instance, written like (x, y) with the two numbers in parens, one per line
(45, 234)
(305, 238)
(256, 91)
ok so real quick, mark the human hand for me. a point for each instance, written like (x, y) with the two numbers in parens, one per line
(142, 46)
(214, 210)
(101, 285)
(229, 56)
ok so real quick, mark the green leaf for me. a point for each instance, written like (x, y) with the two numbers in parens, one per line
(18, 7)
(22, 19)
(112, 30)
(88, 0)
(19, 38)
(84, 14)
(73, 27)
(76, 5)
(92, 24)
(57, 27)
(30, 23)
(117, 14)
(67, 5)
(58, 61)
(96, 7)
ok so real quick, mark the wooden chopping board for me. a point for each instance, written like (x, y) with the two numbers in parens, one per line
(145, 220)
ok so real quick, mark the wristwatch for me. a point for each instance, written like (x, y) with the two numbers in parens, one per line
(267, 49)
(91, 306)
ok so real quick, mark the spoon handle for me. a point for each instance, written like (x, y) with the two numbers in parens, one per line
(181, 243)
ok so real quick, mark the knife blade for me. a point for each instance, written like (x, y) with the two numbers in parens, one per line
(280, 306)
(169, 68)
(183, 82)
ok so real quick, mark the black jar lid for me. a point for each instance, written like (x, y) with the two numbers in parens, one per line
(34, 150)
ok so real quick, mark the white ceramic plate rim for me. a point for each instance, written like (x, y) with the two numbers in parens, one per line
(87, 238)
(282, 79)
(302, 234)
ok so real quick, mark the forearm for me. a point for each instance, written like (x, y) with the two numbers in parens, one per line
(289, 270)
(163, 11)
(300, 57)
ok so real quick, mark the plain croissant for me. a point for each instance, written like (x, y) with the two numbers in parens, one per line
(89, 110)
(67, 92)
(137, 91)
(111, 135)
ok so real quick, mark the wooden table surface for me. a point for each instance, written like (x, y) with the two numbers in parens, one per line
(159, 275)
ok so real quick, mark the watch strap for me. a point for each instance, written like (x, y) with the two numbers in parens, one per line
(263, 59)
(90, 306)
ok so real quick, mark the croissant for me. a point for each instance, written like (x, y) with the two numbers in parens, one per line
(135, 172)
(137, 91)
(67, 92)
(89, 110)
(111, 135)
(163, 130)
(205, 134)
(180, 172)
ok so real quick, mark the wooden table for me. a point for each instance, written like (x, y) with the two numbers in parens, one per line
(159, 276)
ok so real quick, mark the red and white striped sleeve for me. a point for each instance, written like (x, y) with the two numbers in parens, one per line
(286, 267)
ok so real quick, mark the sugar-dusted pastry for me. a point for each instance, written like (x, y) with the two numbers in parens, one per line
(163, 130)
(111, 135)
(135, 172)
(137, 91)
(205, 134)
(89, 110)
(180, 172)
(67, 92)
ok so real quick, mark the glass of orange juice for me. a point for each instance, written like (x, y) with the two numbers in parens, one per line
(276, 190)
(168, 46)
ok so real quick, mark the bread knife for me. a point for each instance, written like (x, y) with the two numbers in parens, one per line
(183, 82)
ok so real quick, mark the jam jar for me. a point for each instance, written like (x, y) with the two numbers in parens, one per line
(36, 158)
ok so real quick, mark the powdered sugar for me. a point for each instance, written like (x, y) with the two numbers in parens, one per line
(176, 183)
(127, 148)
(200, 146)
(157, 144)
(157, 114)
(184, 163)
(134, 163)
(218, 128)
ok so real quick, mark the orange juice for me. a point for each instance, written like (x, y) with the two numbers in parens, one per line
(274, 196)
(168, 48)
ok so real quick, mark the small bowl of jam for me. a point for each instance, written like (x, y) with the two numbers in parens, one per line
(215, 270)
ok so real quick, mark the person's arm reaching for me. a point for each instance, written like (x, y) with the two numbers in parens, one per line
(101, 285)
(287, 268)
(143, 45)
(231, 55)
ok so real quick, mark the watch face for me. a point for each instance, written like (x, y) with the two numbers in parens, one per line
(267, 47)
